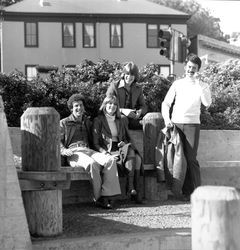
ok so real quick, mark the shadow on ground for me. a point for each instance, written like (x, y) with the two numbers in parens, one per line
(81, 220)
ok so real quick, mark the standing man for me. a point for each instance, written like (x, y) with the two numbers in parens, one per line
(188, 94)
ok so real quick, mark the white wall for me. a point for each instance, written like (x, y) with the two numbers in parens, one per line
(50, 51)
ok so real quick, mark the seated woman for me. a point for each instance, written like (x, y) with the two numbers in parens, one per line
(130, 96)
(75, 144)
(111, 137)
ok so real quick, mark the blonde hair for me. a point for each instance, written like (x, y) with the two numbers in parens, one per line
(107, 99)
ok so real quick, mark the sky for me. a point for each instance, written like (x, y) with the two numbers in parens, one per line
(227, 11)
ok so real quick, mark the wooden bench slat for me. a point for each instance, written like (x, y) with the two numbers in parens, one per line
(34, 185)
(65, 173)
(42, 175)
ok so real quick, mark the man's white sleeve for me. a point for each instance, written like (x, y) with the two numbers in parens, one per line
(206, 97)
(166, 104)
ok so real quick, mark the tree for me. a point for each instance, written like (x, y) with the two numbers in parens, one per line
(201, 22)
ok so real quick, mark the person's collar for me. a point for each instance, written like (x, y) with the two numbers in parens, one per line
(110, 117)
(190, 79)
(72, 118)
(121, 84)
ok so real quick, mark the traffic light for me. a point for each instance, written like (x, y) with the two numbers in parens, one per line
(183, 44)
(165, 37)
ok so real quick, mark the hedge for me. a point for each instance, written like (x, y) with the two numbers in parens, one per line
(92, 79)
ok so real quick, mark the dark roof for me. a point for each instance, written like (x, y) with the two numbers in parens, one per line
(133, 7)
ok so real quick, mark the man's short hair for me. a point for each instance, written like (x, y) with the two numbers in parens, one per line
(75, 98)
(194, 59)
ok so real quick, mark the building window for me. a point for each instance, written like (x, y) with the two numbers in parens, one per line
(152, 34)
(68, 33)
(164, 70)
(31, 72)
(89, 35)
(31, 34)
(116, 36)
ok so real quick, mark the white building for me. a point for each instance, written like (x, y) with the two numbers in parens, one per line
(65, 32)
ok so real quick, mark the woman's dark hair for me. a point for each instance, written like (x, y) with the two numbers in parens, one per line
(75, 98)
(131, 68)
(194, 59)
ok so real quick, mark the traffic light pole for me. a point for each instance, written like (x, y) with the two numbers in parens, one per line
(173, 45)
(172, 59)
(171, 67)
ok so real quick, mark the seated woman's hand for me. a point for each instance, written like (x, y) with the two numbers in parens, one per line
(115, 155)
(68, 152)
(121, 144)
(132, 115)
(138, 114)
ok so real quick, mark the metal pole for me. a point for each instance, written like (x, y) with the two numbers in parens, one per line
(171, 67)
(172, 58)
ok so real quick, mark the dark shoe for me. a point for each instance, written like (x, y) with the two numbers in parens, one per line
(106, 204)
(112, 203)
(132, 193)
(103, 202)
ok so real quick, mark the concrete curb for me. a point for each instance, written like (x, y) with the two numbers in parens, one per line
(167, 239)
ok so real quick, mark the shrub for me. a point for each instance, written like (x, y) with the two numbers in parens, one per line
(224, 81)
(92, 79)
(16, 94)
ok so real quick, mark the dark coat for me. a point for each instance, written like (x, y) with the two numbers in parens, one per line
(138, 101)
(68, 128)
(102, 137)
(171, 159)
(102, 134)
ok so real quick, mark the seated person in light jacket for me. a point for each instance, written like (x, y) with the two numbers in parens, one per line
(130, 96)
(76, 135)
(111, 137)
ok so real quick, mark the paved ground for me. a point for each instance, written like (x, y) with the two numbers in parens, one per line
(154, 225)
(83, 220)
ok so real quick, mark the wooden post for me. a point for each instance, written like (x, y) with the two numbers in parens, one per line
(152, 124)
(215, 218)
(154, 190)
(40, 147)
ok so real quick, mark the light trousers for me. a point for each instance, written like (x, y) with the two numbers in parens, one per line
(102, 168)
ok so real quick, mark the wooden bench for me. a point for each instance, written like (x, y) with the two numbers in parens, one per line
(79, 189)
(43, 180)
(45, 185)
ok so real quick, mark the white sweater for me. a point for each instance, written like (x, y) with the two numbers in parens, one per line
(189, 93)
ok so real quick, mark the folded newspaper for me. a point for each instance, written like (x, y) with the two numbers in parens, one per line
(127, 111)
